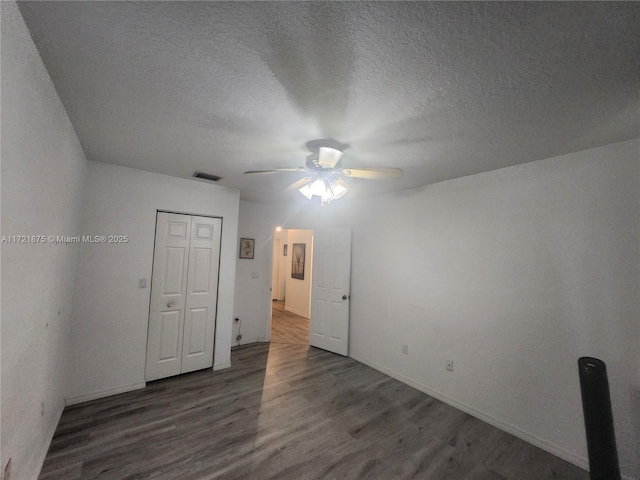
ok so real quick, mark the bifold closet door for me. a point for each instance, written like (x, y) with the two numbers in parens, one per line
(184, 289)
(202, 293)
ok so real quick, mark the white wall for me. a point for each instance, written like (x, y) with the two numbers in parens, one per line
(512, 274)
(275, 271)
(42, 171)
(284, 260)
(109, 328)
(298, 296)
(253, 298)
(280, 262)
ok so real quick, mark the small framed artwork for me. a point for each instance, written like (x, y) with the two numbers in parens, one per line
(246, 247)
(297, 261)
(285, 249)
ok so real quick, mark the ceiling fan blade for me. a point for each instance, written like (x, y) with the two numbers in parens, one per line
(275, 170)
(341, 182)
(372, 173)
(299, 184)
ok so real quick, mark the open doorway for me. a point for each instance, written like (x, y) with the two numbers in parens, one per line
(291, 286)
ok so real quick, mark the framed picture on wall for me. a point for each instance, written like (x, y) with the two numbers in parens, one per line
(297, 261)
(285, 249)
(246, 247)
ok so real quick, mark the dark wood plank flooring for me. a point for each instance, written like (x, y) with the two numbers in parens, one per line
(287, 327)
(286, 411)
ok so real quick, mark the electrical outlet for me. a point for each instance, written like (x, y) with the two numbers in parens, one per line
(450, 365)
(405, 349)
(42, 408)
(142, 283)
(239, 337)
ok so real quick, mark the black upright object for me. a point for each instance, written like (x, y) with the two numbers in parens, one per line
(598, 420)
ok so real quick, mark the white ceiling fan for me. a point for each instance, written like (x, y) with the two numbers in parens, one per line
(325, 175)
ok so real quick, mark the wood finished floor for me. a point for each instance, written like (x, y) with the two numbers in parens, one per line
(287, 411)
(287, 327)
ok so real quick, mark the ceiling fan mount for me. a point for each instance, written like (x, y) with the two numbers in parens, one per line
(326, 173)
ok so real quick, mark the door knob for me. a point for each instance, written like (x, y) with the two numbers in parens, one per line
(170, 304)
(344, 297)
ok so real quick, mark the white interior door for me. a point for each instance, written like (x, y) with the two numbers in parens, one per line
(184, 288)
(330, 291)
(168, 287)
(202, 294)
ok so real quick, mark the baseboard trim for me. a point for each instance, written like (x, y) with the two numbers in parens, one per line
(221, 366)
(103, 394)
(300, 314)
(513, 430)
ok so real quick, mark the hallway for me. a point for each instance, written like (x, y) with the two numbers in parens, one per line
(287, 327)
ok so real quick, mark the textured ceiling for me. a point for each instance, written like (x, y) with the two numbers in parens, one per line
(441, 90)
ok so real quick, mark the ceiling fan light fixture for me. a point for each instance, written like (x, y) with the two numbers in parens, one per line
(333, 191)
(306, 191)
(328, 156)
(315, 187)
(327, 190)
(337, 189)
(324, 166)
(318, 187)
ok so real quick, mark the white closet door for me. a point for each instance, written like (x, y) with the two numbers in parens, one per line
(168, 288)
(202, 294)
(184, 291)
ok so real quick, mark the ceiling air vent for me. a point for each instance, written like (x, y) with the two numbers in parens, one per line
(207, 176)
